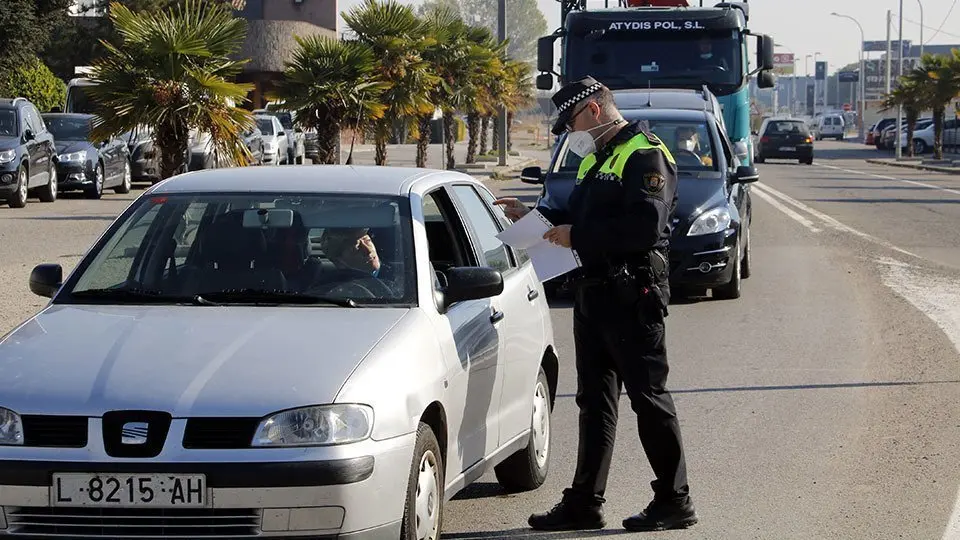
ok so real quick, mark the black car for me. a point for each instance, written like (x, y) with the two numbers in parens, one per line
(27, 154)
(84, 165)
(710, 244)
(785, 138)
(144, 158)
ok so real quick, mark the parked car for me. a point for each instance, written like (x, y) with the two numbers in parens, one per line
(86, 166)
(831, 126)
(275, 145)
(253, 138)
(296, 150)
(293, 391)
(878, 132)
(919, 135)
(144, 156)
(27, 154)
(710, 245)
(785, 138)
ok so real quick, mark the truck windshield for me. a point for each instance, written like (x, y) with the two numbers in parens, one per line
(631, 59)
(78, 101)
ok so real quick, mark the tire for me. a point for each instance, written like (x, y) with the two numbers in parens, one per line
(919, 147)
(731, 291)
(124, 186)
(18, 199)
(48, 193)
(527, 469)
(745, 260)
(426, 521)
(96, 191)
(758, 159)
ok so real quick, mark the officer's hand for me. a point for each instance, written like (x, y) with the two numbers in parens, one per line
(512, 207)
(559, 235)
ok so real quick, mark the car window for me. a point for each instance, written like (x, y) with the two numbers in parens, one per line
(481, 219)
(520, 255)
(265, 125)
(447, 243)
(786, 127)
(37, 119)
(8, 123)
(356, 247)
(68, 128)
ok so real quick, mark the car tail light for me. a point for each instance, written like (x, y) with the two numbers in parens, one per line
(808, 140)
(764, 139)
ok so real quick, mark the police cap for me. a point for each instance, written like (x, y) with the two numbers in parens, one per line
(567, 98)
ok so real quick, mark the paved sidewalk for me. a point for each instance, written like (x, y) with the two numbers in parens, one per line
(950, 164)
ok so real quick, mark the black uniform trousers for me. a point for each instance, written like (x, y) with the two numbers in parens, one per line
(623, 346)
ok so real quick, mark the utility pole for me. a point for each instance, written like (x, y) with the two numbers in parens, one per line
(889, 22)
(899, 76)
(502, 36)
(921, 28)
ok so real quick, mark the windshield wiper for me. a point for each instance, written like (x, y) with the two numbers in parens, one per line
(132, 295)
(257, 296)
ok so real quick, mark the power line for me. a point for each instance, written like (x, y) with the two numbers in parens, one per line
(953, 5)
(930, 28)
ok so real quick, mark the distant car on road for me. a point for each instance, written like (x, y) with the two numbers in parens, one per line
(785, 138)
(831, 126)
(299, 352)
(27, 154)
(83, 165)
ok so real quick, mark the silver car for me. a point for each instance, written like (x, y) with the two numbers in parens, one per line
(314, 351)
(275, 142)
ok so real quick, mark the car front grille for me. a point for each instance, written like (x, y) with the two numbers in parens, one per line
(54, 431)
(219, 433)
(132, 523)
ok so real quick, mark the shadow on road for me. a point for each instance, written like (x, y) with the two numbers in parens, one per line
(67, 218)
(824, 386)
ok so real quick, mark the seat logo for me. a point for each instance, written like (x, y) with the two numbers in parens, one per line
(134, 433)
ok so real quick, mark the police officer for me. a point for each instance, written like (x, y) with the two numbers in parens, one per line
(619, 222)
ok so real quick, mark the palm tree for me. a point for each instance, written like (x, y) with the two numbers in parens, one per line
(398, 39)
(519, 93)
(908, 97)
(330, 83)
(485, 86)
(172, 70)
(936, 79)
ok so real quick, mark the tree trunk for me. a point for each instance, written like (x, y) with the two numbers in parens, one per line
(911, 118)
(451, 137)
(509, 132)
(495, 145)
(423, 138)
(938, 113)
(172, 143)
(381, 136)
(473, 133)
(328, 135)
(484, 133)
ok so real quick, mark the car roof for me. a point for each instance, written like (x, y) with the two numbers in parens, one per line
(357, 179)
(67, 115)
(663, 98)
(13, 102)
(666, 114)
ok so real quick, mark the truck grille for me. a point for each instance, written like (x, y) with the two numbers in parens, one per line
(219, 433)
(132, 523)
(54, 431)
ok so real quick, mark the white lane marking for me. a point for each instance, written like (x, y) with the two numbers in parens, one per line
(937, 298)
(831, 222)
(789, 212)
(905, 181)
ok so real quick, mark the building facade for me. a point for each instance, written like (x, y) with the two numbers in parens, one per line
(270, 43)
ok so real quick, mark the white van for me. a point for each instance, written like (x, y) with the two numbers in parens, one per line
(831, 126)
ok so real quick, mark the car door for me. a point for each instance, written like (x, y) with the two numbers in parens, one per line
(468, 334)
(282, 143)
(738, 193)
(36, 149)
(523, 304)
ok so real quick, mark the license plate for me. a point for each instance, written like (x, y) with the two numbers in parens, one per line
(788, 148)
(124, 490)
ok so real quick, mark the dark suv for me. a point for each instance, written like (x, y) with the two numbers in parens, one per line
(27, 154)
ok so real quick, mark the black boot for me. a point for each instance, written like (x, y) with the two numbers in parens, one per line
(662, 515)
(570, 514)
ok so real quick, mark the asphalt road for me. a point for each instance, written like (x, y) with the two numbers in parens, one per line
(822, 404)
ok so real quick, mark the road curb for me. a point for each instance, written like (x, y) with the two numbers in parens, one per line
(934, 168)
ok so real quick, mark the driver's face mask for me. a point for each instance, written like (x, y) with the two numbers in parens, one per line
(690, 145)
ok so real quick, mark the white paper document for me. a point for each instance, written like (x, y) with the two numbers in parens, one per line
(549, 260)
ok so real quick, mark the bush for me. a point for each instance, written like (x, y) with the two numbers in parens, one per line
(35, 82)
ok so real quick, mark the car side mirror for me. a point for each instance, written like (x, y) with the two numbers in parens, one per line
(531, 175)
(46, 279)
(28, 135)
(470, 283)
(766, 79)
(746, 174)
(765, 53)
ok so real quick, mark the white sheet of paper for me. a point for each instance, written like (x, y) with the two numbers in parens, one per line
(549, 260)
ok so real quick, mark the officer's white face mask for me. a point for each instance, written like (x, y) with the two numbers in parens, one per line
(582, 143)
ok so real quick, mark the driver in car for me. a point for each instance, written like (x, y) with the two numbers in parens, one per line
(351, 249)
(688, 141)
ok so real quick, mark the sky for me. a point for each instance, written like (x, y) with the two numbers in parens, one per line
(806, 26)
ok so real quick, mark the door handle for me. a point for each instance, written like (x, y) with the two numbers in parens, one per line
(533, 294)
(496, 317)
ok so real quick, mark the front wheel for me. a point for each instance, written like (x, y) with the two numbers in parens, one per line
(423, 510)
(527, 469)
(18, 199)
(745, 261)
(127, 183)
(96, 190)
(48, 193)
(731, 290)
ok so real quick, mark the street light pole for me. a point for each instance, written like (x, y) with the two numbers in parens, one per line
(502, 36)
(899, 77)
(816, 83)
(862, 104)
(921, 28)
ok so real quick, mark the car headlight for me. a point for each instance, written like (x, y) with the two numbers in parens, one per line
(7, 156)
(315, 426)
(74, 156)
(11, 428)
(711, 221)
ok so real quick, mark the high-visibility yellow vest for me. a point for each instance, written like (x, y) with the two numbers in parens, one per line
(618, 159)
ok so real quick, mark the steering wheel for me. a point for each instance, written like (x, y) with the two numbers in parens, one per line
(687, 156)
(344, 279)
(716, 68)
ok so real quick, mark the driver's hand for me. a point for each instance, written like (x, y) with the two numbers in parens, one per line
(512, 207)
(368, 252)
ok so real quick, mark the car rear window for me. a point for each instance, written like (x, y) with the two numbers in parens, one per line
(786, 128)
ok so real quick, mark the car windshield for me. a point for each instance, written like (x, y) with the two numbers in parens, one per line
(8, 123)
(286, 119)
(68, 129)
(657, 56)
(253, 248)
(689, 142)
(265, 126)
(78, 101)
(786, 128)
